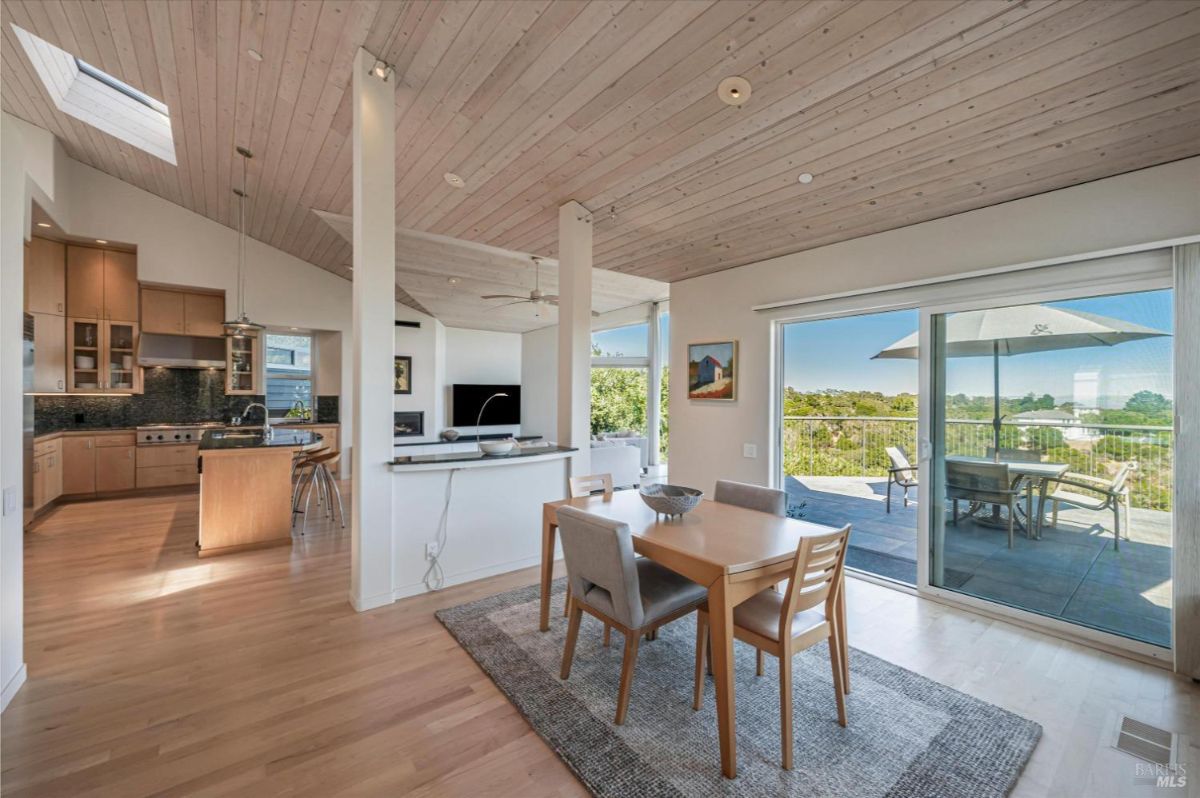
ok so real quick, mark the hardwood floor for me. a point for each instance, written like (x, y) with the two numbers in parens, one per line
(153, 672)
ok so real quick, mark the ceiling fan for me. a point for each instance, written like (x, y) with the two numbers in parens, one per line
(535, 298)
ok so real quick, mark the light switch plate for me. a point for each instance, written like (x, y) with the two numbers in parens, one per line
(749, 450)
(11, 503)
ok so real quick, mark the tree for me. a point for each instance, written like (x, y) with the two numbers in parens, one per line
(1148, 402)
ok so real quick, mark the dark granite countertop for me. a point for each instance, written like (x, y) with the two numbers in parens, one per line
(470, 457)
(244, 439)
(491, 436)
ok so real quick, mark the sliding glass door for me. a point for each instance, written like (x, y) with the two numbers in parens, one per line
(1050, 470)
(849, 434)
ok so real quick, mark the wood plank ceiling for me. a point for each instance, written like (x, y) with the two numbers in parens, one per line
(903, 112)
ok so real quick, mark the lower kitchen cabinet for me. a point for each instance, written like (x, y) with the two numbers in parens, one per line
(163, 466)
(79, 465)
(47, 473)
(116, 468)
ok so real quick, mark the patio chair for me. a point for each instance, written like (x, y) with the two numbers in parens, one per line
(1107, 494)
(902, 473)
(982, 484)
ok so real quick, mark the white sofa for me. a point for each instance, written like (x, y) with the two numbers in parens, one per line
(623, 462)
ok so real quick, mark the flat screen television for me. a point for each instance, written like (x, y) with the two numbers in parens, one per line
(465, 401)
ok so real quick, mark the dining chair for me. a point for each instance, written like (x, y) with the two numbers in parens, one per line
(752, 497)
(902, 473)
(784, 624)
(586, 486)
(1106, 494)
(634, 594)
(980, 484)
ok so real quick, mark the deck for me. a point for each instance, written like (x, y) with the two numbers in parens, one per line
(1073, 572)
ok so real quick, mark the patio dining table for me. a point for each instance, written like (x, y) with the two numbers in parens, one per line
(1035, 475)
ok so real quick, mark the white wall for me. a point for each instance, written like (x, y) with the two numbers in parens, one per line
(1150, 205)
(539, 382)
(425, 345)
(485, 358)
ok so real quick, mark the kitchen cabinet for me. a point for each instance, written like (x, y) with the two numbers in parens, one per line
(49, 353)
(85, 282)
(79, 465)
(102, 356)
(163, 466)
(101, 284)
(116, 468)
(46, 277)
(162, 311)
(242, 365)
(172, 312)
(204, 314)
(47, 473)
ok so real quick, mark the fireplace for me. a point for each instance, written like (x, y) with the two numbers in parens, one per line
(409, 424)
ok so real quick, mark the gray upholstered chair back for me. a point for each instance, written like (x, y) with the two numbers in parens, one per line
(599, 556)
(978, 481)
(752, 497)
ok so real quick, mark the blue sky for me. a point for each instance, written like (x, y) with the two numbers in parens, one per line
(836, 353)
(631, 341)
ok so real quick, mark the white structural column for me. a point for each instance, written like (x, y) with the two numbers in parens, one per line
(374, 293)
(575, 332)
(1186, 552)
(653, 382)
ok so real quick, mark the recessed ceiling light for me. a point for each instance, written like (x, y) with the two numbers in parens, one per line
(452, 280)
(454, 180)
(805, 178)
(43, 224)
(254, 54)
(293, 329)
(101, 241)
(734, 90)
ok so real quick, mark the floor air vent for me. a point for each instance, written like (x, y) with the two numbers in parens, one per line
(1146, 742)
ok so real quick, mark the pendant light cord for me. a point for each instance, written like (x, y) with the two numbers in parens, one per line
(242, 245)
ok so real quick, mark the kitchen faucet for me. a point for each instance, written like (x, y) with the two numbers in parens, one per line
(267, 432)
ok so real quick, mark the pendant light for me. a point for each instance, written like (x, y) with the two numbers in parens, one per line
(242, 326)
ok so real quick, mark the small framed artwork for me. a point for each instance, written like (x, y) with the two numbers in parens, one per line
(712, 371)
(403, 377)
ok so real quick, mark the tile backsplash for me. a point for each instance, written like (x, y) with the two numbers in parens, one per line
(172, 396)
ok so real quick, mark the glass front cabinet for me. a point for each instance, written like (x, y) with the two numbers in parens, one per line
(102, 356)
(242, 365)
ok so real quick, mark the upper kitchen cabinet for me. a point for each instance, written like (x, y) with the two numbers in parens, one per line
(45, 277)
(101, 284)
(173, 312)
(242, 365)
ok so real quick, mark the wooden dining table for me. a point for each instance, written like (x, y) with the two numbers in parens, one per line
(733, 551)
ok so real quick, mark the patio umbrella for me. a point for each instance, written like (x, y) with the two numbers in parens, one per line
(1001, 332)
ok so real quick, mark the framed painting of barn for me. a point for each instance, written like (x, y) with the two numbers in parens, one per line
(712, 371)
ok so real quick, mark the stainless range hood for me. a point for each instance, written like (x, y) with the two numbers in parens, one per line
(181, 351)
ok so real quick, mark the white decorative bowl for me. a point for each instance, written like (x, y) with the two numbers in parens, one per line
(497, 447)
(670, 499)
(85, 362)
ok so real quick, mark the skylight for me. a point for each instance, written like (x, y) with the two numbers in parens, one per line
(103, 101)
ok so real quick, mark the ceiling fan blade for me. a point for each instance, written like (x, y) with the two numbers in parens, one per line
(510, 304)
(505, 296)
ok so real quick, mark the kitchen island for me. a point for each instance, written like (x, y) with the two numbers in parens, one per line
(246, 488)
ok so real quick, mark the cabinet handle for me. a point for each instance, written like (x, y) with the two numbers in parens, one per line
(89, 443)
(131, 454)
(60, 307)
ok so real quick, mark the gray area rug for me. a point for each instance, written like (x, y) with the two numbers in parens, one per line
(908, 736)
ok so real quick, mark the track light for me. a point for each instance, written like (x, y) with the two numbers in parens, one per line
(382, 70)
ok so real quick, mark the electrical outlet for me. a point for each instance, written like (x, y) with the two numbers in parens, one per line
(431, 550)
(749, 450)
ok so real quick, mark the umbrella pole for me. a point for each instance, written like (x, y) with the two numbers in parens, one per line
(996, 400)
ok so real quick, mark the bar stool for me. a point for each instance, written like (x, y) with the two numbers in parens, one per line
(303, 473)
(326, 487)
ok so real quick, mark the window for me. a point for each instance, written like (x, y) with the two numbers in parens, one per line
(289, 375)
(101, 100)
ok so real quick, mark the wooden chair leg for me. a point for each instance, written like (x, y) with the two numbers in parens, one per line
(701, 657)
(843, 639)
(631, 649)
(758, 664)
(835, 657)
(572, 636)
(785, 705)
(607, 635)
(567, 602)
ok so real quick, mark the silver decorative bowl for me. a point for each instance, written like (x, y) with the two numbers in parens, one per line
(670, 499)
(449, 434)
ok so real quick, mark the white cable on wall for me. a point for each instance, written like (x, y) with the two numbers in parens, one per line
(435, 578)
